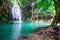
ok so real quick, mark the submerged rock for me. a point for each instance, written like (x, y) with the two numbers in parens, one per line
(22, 38)
(40, 34)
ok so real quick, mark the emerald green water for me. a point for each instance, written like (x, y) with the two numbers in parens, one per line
(7, 30)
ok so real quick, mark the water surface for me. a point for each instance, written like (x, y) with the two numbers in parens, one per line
(10, 31)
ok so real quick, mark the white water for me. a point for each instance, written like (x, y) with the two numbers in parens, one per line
(16, 13)
(17, 18)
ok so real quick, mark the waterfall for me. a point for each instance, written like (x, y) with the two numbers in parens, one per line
(17, 18)
(16, 13)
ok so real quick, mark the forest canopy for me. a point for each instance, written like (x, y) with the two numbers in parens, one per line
(28, 7)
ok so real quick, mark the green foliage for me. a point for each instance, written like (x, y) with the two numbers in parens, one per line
(45, 7)
(41, 7)
(12, 2)
(4, 12)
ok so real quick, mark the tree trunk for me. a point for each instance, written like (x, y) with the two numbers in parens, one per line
(56, 19)
(57, 16)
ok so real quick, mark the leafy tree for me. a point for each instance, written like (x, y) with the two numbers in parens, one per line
(57, 16)
(4, 12)
(44, 7)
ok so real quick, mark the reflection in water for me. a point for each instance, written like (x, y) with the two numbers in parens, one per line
(16, 31)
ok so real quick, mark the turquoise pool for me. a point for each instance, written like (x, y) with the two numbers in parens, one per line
(9, 31)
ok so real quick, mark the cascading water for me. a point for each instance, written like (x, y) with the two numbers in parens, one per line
(16, 13)
(17, 18)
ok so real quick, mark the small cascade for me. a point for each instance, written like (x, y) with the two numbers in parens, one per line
(16, 13)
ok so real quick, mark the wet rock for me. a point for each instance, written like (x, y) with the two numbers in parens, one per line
(22, 38)
(33, 37)
(40, 34)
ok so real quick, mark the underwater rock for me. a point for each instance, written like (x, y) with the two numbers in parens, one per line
(40, 34)
(33, 37)
(22, 38)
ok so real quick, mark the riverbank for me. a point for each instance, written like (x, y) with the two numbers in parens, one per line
(41, 34)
